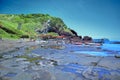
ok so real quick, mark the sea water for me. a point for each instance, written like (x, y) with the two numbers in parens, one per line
(106, 50)
(112, 47)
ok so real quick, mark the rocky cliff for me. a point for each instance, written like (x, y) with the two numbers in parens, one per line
(31, 25)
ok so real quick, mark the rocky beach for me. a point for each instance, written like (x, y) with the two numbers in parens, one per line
(57, 60)
(59, 40)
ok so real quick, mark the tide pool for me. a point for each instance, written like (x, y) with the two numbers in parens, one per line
(95, 53)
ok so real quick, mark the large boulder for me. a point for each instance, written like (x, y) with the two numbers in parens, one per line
(87, 38)
(75, 39)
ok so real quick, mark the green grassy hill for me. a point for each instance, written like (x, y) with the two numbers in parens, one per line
(18, 25)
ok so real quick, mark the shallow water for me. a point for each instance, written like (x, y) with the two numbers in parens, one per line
(95, 53)
(11, 74)
(77, 69)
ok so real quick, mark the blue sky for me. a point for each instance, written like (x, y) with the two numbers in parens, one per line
(95, 18)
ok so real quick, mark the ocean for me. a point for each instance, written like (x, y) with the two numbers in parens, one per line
(112, 47)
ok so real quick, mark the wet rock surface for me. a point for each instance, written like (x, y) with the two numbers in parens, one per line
(48, 61)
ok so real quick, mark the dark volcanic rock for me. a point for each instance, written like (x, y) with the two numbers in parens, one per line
(75, 39)
(87, 38)
(74, 32)
(117, 56)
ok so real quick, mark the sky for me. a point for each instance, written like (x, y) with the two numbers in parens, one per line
(95, 18)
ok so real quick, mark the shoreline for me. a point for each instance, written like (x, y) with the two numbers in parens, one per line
(7, 45)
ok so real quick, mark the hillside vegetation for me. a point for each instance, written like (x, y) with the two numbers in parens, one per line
(30, 25)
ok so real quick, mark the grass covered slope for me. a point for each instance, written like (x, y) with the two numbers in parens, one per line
(18, 25)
